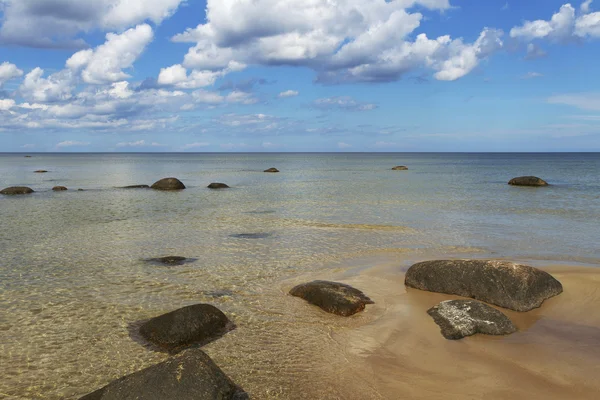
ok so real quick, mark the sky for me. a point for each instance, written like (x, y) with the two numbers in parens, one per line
(299, 75)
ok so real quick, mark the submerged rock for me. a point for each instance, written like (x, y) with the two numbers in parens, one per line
(27, 156)
(80, 190)
(259, 235)
(217, 185)
(400, 168)
(40, 171)
(191, 375)
(169, 260)
(168, 184)
(59, 188)
(271, 170)
(502, 283)
(460, 318)
(196, 324)
(333, 297)
(135, 187)
(527, 181)
(16, 190)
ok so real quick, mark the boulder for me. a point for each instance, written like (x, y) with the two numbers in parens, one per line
(400, 168)
(169, 260)
(333, 297)
(271, 170)
(196, 324)
(135, 187)
(217, 185)
(460, 318)
(27, 156)
(168, 184)
(40, 171)
(16, 190)
(502, 283)
(191, 375)
(59, 188)
(527, 181)
(80, 190)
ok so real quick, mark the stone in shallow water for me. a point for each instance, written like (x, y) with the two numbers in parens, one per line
(168, 184)
(258, 235)
(333, 297)
(460, 318)
(191, 375)
(169, 260)
(16, 190)
(502, 283)
(527, 181)
(400, 168)
(135, 187)
(59, 188)
(218, 185)
(40, 171)
(196, 324)
(271, 170)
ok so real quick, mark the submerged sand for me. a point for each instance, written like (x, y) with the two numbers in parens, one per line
(395, 350)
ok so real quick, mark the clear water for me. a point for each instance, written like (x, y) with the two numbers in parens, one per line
(73, 276)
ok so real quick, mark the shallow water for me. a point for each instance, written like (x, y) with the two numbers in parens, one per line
(73, 276)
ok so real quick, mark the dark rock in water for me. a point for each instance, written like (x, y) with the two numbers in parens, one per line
(59, 188)
(260, 235)
(40, 171)
(197, 324)
(400, 168)
(27, 156)
(80, 190)
(261, 212)
(502, 283)
(333, 297)
(460, 318)
(528, 181)
(217, 185)
(191, 375)
(135, 187)
(16, 190)
(168, 184)
(169, 260)
(271, 170)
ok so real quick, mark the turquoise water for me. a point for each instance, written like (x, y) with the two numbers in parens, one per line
(72, 270)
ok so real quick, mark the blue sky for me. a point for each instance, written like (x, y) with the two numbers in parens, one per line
(299, 75)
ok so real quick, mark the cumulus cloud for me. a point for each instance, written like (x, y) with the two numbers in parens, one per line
(9, 71)
(56, 87)
(177, 75)
(56, 23)
(288, 93)
(342, 103)
(6, 104)
(563, 26)
(534, 52)
(72, 143)
(346, 40)
(585, 6)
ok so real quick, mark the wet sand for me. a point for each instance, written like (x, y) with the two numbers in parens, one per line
(395, 350)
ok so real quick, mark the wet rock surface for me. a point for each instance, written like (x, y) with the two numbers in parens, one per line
(271, 170)
(257, 235)
(527, 181)
(400, 168)
(460, 318)
(217, 185)
(168, 184)
(16, 190)
(333, 297)
(191, 375)
(197, 324)
(59, 188)
(502, 283)
(40, 171)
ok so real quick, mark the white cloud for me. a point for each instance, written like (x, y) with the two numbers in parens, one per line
(9, 71)
(57, 86)
(534, 52)
(343, 145)
(139, 143)
(345, 40)
(55, 23)
(588, 25)
(72, 143)
(585, 6)
(288, 93)
(177, 75)
(342, 103)
(6, 104)
(194, 145)
(28, 146)
(532, 75)
(583, 101)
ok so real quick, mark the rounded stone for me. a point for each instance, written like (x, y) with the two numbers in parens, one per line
(168, 184)
(16, 190)
(527, 181)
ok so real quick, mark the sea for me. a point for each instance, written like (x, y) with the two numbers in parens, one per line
(75, 276)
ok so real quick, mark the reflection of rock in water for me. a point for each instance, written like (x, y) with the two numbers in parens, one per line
(259, 235)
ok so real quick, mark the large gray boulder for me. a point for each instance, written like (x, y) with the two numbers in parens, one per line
(191, 375)
(460, 318)
(16, 190)
(527, 181)
(333, 297)
(196, 324)
(505, 284)
(168, 184)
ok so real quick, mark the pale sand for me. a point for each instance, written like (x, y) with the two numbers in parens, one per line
(394, 350)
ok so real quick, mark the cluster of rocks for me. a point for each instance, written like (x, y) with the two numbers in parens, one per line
(505, 284)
